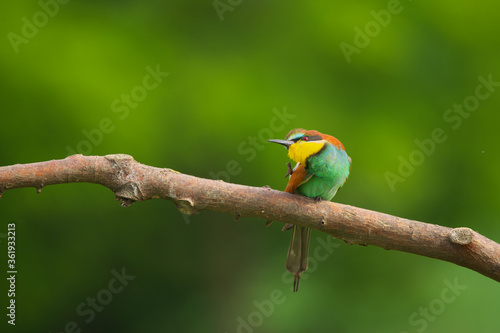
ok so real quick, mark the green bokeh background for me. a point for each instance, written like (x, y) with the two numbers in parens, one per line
(206, 273)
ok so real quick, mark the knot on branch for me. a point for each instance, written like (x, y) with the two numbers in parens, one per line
(462, 236)
(186, 206)
(130, 191)
(119, 158)
(124, 202)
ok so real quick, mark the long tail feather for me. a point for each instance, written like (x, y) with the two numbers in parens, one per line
(298, 253)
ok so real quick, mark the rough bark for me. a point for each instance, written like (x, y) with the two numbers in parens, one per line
(132, 181)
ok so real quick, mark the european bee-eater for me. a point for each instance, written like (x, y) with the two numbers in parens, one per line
(322, 168)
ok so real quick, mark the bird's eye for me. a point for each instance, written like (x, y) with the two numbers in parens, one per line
(306, 138)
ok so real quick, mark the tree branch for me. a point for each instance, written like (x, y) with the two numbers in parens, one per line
(132, 181)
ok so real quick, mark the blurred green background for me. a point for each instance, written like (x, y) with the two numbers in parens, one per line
(67, 70)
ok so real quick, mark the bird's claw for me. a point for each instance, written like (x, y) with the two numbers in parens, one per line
(290, 170)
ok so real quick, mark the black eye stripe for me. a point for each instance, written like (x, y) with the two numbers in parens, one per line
(315, 138)
(308, 138)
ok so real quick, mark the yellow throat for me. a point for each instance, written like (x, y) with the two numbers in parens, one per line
(301, 150)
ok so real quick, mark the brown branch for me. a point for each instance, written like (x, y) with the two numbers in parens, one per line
(132, 181)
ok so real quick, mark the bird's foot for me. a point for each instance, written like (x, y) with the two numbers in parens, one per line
(318, 199)
(290, 170)
(287, 226)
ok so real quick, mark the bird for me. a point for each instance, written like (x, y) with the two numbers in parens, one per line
(322, 167)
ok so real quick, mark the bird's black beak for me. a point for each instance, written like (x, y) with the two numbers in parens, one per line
(286, 143)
